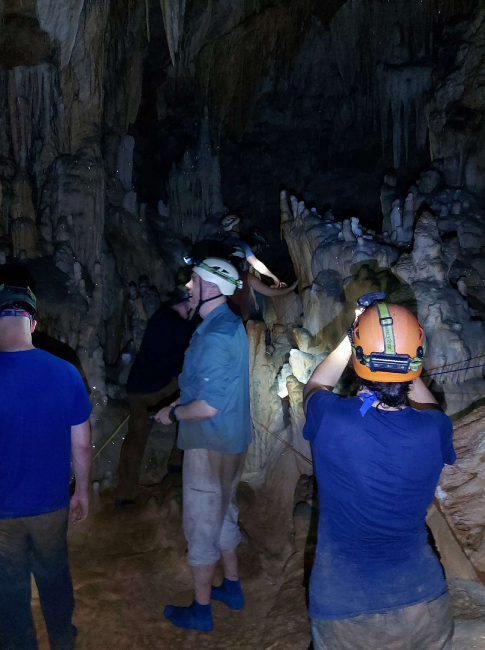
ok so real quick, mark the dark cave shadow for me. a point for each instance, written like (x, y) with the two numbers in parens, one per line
(42, 341)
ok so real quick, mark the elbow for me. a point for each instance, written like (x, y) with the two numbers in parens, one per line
(82, 453)
(208, 411)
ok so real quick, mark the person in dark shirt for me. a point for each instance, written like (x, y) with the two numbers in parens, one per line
(152, 383)
(376, 582)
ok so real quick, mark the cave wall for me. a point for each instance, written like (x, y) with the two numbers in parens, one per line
(318, 97)
(126, 125)
(70, 85)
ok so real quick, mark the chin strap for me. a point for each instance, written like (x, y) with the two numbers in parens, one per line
(203, 301)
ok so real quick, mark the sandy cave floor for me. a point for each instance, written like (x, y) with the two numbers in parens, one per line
(128, 565)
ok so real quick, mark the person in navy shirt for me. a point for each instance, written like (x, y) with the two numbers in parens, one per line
(44, 417)
(376, 582)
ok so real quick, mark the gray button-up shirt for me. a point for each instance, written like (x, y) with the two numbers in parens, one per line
(216, 369)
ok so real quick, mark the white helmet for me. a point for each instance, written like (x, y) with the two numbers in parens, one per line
(229, 221)
(219, 272)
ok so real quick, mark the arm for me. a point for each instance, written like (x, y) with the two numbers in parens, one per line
(195, 411)
(256, 284)
(81, 460)
(421, 397)
(263, 269)
(328, 372)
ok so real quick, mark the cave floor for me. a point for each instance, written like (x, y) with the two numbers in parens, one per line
(128, 565)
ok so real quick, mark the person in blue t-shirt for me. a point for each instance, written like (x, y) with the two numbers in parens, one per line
(376, 582)
(44, 417)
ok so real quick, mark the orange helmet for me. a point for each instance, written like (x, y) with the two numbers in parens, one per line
(388, 344)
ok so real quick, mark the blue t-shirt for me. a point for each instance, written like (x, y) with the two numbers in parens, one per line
(216, 369)
(42, 397)
(233, 241)
(376, 477)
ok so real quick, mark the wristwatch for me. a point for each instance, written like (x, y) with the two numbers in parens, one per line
(171, 416)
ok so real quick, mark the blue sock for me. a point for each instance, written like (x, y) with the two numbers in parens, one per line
(195, 617)
(229, 593)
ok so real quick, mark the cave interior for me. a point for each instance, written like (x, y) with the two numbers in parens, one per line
(351, 134)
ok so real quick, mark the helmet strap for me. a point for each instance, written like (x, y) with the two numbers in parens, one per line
(202, 301)
(386, 322)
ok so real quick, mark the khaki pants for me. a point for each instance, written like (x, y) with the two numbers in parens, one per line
(139, 427)
(210, 511)
(425, 626)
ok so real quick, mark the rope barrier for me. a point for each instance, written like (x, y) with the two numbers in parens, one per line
(287, 444)
(480, 356)
(113, 435)
(445, 372)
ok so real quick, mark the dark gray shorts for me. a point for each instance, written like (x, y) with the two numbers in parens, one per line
(425, 626)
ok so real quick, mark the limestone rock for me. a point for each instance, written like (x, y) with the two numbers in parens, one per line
(461, 491)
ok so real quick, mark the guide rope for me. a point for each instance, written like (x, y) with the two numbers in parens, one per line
(287, 444)
(446, 365)
(112, 436)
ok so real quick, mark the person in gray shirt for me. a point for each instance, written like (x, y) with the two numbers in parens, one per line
(214, 432)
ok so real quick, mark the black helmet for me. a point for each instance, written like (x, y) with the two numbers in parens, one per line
(17, 297)
(178, 295)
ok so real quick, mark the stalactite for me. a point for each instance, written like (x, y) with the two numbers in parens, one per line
(173, 18)
(382, 52)
(61, 21)
(194, 186)
(147, 19)
(403, 91)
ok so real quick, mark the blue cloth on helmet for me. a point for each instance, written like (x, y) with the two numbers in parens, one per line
(42, 397)
(367, 400)
(376, 477)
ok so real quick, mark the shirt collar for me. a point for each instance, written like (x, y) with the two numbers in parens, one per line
(222, 309)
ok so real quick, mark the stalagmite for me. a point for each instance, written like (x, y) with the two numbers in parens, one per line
(266, 409)
(354, 224)
(347, 232)
(396, 222)
(408, 218)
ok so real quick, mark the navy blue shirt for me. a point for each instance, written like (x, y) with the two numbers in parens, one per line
(216, 369)
(161, 352)
(233, 241)
(42, 397)
(376, 477)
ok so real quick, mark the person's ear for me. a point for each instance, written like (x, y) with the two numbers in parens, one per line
(33, 324)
